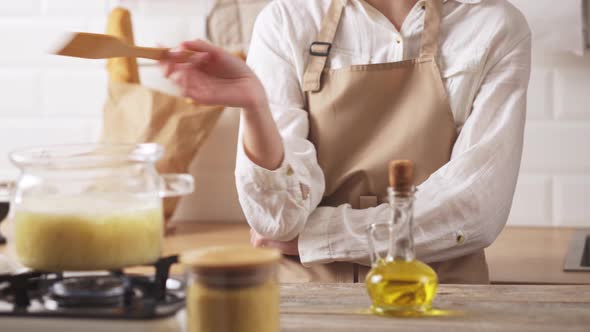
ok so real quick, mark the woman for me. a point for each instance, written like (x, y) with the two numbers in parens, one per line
(337, 88)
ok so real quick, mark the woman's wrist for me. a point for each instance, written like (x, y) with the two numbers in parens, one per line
(256, 99)
(262, 142)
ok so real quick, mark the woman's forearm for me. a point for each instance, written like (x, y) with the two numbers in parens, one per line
(214, 77)
(261, 138)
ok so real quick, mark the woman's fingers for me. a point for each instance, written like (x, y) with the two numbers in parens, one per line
(199, 58)
(175, 61)
(287, 248)
(206, 73)
(256, 240)
(168, 68)
(171, 69)
(199, 46)
(185, 84)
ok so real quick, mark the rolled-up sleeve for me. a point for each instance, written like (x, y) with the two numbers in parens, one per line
(278, 203)
(464, 205)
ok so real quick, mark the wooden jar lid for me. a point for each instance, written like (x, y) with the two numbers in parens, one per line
(229, 257)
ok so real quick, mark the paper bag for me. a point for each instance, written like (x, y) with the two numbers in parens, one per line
(137, 114)
(230, 23)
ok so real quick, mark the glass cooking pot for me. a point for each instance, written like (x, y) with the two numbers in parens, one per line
(90, 207)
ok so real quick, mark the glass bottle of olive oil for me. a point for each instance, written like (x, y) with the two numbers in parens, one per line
(398, 283)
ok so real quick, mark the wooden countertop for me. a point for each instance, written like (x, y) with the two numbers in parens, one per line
(519, 255)
(507, 308)
(532, 255)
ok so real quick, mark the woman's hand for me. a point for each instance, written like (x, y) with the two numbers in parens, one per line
(289, 248)
(212, 76)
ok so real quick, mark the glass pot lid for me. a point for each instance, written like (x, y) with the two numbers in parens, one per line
(85, 155)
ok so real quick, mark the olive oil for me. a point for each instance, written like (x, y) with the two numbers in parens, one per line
(398, 283)
(401, 286)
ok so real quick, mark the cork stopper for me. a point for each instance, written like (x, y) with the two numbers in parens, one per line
(401, 175)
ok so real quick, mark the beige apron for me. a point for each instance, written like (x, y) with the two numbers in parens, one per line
(363, 116)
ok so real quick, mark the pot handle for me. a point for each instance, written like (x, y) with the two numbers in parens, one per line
(6, 190)
(174, 185)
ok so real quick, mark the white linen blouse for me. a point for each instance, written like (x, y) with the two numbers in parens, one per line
(485, 57)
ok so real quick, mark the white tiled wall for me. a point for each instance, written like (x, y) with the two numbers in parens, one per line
(47, 99)
(50, 99)
(554, 185)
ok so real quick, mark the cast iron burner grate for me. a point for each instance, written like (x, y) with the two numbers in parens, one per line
(112, 295)
(89, 291)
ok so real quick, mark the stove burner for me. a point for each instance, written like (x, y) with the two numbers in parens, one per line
(104, 295)
(89, 291)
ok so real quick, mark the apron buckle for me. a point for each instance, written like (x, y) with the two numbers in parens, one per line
(315, 52)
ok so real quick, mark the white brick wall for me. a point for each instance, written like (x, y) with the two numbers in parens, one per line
(20, 91)
(18, 132)
(554, 185)
(572, 195)
(572, 101)
(20, 7)
(58, 101)
(73, 7)
(48, 99)
(556, 146)
(533, 191)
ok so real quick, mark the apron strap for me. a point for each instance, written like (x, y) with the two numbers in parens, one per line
(320, 49)
(430, 35)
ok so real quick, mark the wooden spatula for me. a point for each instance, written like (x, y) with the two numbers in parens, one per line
(100, 46)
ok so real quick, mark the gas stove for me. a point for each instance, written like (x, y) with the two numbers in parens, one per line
(97, 301)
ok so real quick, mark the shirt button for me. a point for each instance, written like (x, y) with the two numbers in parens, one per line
(459, 237)
(398, 40)
(290, 171)
(423, 5)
